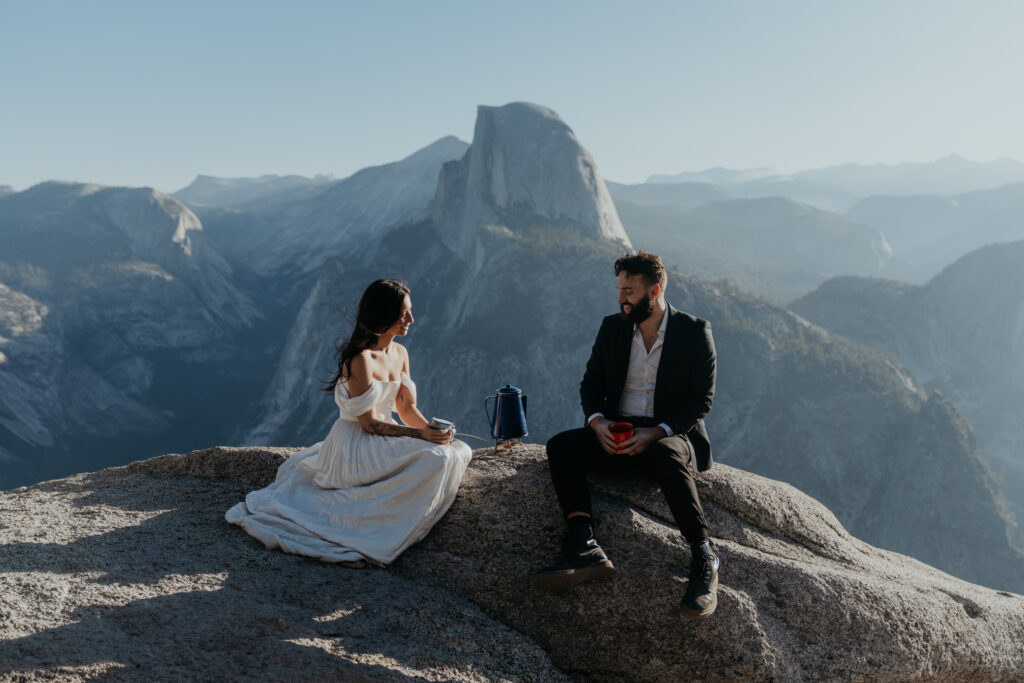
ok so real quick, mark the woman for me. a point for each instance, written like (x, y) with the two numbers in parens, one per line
(373, 487)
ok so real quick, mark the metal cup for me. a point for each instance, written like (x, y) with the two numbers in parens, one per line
(443, 425)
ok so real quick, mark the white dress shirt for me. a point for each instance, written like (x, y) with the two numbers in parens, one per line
(642, 377)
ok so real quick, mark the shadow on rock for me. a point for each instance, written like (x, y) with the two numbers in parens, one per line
(138, 576)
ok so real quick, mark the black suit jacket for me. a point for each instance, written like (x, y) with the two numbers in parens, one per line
(685, 384)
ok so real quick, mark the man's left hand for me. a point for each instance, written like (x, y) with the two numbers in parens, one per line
(641, 440)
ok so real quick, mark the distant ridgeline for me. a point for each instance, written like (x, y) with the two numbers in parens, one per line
(133, 325)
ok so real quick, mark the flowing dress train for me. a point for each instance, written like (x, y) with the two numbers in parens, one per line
(356, 495)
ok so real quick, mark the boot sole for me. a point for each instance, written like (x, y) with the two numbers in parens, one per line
(563, 580)
(694, 614)
(707, 611)
(688, 612)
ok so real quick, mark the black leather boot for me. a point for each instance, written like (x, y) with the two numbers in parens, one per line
(701, 597)
(582, 560)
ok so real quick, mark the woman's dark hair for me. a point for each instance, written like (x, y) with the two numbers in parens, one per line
(643, 263)
(379, 308)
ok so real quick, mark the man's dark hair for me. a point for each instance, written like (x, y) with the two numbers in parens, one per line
(642, 263)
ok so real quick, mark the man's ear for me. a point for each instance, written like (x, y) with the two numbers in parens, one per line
(654, 291)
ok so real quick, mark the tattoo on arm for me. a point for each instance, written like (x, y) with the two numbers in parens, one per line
(388, 429)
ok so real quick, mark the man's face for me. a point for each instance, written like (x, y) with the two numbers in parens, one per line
(636, 297)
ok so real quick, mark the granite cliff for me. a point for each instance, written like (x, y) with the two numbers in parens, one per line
(524, 170)
(521, 305)
(111, 300)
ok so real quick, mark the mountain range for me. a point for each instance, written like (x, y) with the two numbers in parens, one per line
(208, 190)
(934, 230)
(772, 246)
(836, 188)
(113, 306)
(293, 231)
(962, 333)
(128, 315)
(781, 245)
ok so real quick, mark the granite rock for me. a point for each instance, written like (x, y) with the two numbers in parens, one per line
(800, 598)
(132, 573)
(525, 169)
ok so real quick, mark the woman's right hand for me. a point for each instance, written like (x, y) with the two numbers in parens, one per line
(433, 434)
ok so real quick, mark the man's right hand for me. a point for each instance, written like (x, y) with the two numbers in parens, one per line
(601, 425)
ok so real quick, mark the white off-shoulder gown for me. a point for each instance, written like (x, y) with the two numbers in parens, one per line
(356, 495)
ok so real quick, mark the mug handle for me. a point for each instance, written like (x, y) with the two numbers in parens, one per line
(490, 420)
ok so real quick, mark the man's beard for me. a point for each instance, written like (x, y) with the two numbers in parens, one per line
(640, 311)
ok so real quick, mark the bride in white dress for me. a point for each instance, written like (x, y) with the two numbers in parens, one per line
(372, 487)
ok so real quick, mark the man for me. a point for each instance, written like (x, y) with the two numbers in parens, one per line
(654, 367)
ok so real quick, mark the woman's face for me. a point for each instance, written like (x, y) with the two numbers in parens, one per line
(401, 326)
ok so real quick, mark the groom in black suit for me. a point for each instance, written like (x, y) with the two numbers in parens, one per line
(653, 367)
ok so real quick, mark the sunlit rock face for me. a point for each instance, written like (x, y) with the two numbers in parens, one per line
(525, 169)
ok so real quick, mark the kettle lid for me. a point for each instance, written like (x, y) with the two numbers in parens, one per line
(509, 389)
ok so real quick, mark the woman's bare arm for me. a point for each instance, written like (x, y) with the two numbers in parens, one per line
(405, 403)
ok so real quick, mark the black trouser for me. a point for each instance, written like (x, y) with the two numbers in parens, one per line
(669, 461)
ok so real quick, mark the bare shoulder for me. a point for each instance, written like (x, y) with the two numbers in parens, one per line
(360, 374)
(362, 364)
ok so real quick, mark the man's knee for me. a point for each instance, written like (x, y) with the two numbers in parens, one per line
(670, 454)
(565, 444)
(559, 444)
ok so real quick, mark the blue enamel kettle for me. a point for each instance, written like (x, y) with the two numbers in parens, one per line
(508, 417)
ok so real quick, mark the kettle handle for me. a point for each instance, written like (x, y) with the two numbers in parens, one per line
(524, 403)
(490, 419)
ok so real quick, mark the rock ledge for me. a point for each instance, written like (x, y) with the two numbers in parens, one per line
(132, 573)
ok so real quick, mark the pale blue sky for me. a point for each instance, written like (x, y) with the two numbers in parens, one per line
(145, 93)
